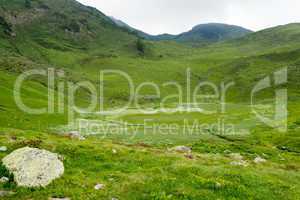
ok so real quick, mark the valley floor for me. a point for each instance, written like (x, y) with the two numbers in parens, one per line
(262, 165)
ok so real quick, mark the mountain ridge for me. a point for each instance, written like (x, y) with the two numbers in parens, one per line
(199, 34)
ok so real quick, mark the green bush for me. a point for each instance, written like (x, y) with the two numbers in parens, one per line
(140, 46)
(27, 3)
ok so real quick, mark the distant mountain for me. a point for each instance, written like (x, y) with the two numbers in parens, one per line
(200, 34)
(212, 32)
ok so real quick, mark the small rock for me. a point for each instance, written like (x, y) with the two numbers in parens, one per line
(5, 193)
(65, 198)
(236, 156)
(114, 199)
(76, 135)
(3, 148)
(240, 163)
(99, 186)
(114, 151)
(182, 149)
(4, 179)
(259, 159)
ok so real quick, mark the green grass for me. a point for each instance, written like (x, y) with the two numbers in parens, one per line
(152, 172)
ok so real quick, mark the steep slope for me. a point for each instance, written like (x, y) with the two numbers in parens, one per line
(141, 34)
(161, 37)
(63, 25)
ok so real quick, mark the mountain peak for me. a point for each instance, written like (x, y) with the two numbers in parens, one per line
(212, 32)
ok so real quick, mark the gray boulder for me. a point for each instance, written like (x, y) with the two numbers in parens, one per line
(33, 167)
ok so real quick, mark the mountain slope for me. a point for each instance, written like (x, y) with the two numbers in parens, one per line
(63, 25)
(272, 40)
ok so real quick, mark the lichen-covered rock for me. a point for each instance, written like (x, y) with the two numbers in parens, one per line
(33, 167)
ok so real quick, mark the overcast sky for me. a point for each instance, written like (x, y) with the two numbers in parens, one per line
(176, 16)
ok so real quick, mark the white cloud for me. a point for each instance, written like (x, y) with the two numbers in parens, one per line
(176, 16)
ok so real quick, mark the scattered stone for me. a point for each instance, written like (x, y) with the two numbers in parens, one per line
(236, 156)
(114, 151)
(259, 159)
(5, 193)
(99, 186)
(3, 148)
(238, 160)
(4, 179)
(182, 149)
(76, 135)
(240, 163)
(33, 167)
